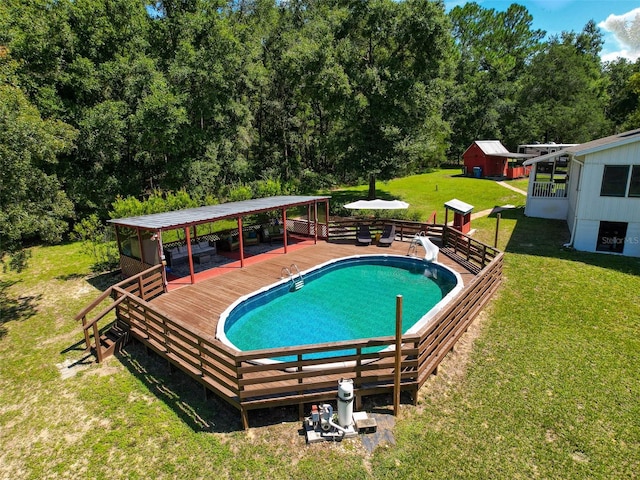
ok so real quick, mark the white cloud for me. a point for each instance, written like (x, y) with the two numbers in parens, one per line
(626, 30)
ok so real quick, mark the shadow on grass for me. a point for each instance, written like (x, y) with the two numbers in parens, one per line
(185, 396)
(206, 412)
(546, 238)
(105, 280)
(100, 281)
(15, 309)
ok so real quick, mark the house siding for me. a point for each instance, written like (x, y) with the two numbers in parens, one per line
(591, 208)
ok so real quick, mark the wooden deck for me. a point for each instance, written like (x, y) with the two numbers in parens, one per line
(200, 305)
(179, 323)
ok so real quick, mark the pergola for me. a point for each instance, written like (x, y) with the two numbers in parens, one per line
(145, 245)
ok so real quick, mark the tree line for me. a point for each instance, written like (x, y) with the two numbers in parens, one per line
(101, 99)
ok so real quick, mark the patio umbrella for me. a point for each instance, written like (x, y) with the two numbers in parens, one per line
(377, 205)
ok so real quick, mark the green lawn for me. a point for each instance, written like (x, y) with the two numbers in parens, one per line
(549, 388)
(521, 183)
(428, 192)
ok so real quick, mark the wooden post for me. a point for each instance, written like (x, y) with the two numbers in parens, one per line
(87, 339)
(284, 225)
(241, 242)
(96, 338)
(187, 234)
(163, 261)
(495, 241)
(397, 371)
(245, 417)
(141, 251)
(315, 222)
(326, 217)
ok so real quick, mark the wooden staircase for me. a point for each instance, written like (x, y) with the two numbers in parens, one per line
(113, 339)
(141, 287)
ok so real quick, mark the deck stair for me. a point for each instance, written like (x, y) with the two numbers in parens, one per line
(114, 338)
(297, 281)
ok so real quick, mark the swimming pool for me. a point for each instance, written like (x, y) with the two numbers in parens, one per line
(344, 299)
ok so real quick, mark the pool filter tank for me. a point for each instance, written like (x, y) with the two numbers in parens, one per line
(345, 402)
(325, 424)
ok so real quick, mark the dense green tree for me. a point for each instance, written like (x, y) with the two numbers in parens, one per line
(623, 100)
(231, 98)
(494, 50)
(302, 107)
(33, 205)
(396, 56)
(632, 120)
(564, 93)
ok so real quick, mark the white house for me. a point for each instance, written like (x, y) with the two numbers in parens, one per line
(595, 187)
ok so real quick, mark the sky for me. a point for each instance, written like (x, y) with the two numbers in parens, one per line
(619, 20)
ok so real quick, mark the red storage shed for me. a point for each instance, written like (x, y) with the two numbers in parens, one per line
(486, 158)
(489, 158)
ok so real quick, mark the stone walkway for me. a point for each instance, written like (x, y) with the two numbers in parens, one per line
(511, 187)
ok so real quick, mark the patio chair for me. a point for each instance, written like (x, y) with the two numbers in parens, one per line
(363, 235)
(388, 236)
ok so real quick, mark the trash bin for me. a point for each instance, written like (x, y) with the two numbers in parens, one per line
(477, 172)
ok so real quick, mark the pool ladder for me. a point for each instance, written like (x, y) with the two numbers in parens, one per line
(297, 282)
(413, 246)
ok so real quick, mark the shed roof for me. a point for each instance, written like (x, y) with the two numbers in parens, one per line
(210, 213)
(581, 149)
(514, 155)
(491, 147)
(458, 206)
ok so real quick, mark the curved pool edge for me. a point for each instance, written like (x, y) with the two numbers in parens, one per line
(221, 336)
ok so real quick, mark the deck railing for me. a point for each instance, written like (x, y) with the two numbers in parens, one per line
(145, 285)
(345, 229)
(246, 382)
(471, 253)
(549, 190)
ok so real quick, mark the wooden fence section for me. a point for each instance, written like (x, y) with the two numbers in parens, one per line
(343, 229)
(145, 285)
(439, 336)
(207, 360)
(470, 253)
(251, 379)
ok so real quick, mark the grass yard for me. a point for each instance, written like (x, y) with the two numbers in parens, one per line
(428, 192)
(544, 385)
(521, 183)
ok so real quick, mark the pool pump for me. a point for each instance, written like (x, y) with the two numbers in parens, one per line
(324, 424)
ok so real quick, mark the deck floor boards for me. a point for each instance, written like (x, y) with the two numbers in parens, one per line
(200, 305)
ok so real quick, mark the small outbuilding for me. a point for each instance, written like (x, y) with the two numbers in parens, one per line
(489, 158)
(461, 215)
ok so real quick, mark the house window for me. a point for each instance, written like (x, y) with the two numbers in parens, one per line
(634, 185)
(611, 237)
(614, 181)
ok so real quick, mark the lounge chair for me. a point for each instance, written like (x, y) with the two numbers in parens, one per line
(388, 236)
(363, 235)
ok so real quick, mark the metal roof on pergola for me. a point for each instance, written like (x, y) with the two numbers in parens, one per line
(192, 217)
(212, 213)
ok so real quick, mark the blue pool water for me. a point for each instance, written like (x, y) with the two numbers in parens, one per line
(352, 298)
